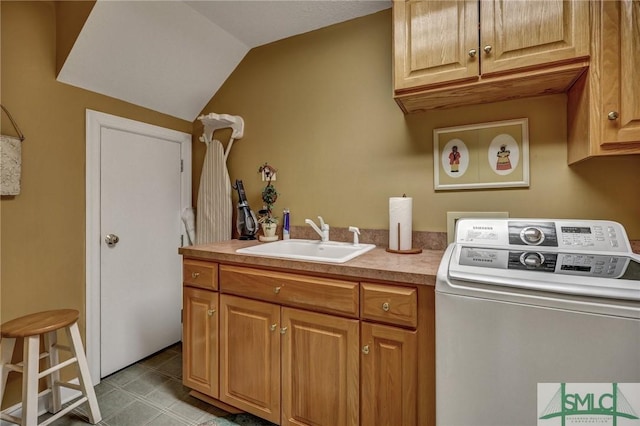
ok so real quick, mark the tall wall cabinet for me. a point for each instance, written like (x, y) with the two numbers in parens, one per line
(451, 53)
(307, 349)
(604, 105)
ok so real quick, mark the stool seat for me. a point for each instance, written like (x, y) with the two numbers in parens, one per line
(31, 328)
(39, 323)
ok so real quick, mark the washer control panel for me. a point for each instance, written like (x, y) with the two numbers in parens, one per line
(583, 264)
(560, 234)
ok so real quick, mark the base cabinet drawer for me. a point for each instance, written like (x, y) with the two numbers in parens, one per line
(390, 304)
(198, 273)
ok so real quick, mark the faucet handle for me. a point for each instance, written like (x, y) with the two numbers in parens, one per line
(323, 225)
(356, 232)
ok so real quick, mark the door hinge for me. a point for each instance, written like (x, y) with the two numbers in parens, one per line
(181, 240)
(181, 166)
(181, 316)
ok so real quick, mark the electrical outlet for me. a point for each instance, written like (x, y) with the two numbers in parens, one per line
(452, 218)
(264, 176)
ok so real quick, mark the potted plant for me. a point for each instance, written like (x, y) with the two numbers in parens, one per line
(269, 196)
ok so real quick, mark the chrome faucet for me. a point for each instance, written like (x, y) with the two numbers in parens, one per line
(323, 230)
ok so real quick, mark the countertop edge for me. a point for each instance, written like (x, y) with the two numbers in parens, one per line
(375, 265)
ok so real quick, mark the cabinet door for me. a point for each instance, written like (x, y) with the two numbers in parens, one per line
(200, 340)
(527, 34)
(250, 356)
(320, 369)
(434, 42)
(389, 376)
(620, 79)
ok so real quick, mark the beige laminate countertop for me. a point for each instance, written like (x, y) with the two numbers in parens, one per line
(377, 264)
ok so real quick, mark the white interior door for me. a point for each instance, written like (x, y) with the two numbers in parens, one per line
(136, 191)
(140, 275)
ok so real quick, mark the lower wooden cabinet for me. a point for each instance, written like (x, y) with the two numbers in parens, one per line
(277, 360)
(351, 359)
(250, 356)
(320, 369)
(389, 380)
(200, 340)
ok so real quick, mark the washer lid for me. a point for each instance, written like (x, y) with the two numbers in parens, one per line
(611, 276)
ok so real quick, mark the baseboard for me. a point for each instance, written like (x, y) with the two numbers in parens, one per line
(66, 395)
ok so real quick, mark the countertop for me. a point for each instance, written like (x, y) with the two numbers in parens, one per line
(377, 264)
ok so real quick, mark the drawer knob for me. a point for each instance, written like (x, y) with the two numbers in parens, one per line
(195, 274)
(386, 306)
(283, 330)
(277, 290)
(365, 349)
(273, 327)
(613, 115)
(210, 312)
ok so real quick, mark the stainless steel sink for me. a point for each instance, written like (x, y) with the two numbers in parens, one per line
(330, 251)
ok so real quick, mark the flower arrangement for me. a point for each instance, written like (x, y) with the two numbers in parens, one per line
(269, 196)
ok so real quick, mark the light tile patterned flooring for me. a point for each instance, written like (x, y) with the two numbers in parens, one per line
(151, 393)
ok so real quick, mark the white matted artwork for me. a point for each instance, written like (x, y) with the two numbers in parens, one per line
(485, 155)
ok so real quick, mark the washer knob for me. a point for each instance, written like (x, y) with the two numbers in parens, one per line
(532, 260)
(532, 235)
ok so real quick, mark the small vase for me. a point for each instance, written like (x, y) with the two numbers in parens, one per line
(269, 229)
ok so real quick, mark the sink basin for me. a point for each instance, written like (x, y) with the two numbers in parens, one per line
(331, 251)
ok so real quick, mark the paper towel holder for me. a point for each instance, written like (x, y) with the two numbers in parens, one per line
(408, 251)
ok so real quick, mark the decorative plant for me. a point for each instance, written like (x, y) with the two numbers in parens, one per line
(269, 196)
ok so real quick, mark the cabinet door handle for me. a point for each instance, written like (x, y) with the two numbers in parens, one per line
(283, 330)
(613, 115)
(487, 49)
(472, 53)
(195, 274)
(386, 306)
(277, 290)
(365, 349)
(210, 312)
(273, 327)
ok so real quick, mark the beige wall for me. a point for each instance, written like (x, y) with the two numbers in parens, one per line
(43, 229)
(319, 108)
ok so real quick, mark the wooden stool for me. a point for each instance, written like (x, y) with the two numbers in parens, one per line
(30, 328)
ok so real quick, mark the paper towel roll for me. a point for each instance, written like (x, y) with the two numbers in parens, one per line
(400, 221)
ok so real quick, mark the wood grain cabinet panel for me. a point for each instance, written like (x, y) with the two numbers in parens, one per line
(462, 52)
(320, 369)
(250, 356)
(390, 304)
(200, 340)
(603, 111)
(197, 273)
(389, 376)
(314, 293)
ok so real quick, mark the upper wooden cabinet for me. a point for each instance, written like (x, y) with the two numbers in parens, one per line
(453, 53)
(604, 105)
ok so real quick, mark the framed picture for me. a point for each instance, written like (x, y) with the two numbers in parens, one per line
(486, 155)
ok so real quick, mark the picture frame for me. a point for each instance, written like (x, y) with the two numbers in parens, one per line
(479, 156)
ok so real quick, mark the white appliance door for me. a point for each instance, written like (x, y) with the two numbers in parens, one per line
(140, 275)
(490, 356)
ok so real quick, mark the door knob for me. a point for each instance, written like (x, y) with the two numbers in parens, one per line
(111, 239)
(487, 49)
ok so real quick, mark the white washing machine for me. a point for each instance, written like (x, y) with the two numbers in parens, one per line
(527, 301)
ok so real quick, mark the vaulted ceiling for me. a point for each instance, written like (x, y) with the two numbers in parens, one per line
(173, 56)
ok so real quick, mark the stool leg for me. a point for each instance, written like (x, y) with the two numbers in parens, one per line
(6, 345)
(84, 376)
(31, 369)
(51, 345)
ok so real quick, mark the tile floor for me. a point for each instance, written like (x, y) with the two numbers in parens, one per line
(151, 393)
